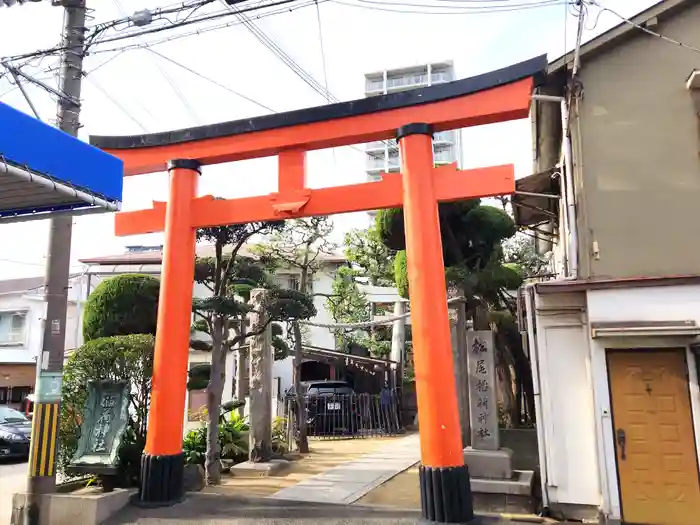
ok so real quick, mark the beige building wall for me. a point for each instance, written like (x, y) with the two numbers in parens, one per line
(641, 170)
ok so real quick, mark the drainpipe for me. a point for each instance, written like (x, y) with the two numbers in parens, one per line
(540, 425)
(568, 193)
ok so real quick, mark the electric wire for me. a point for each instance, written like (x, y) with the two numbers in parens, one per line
(180, 95)
(386, 7)
(197, 32)
(323, 51)
(134, 34)
(497, 6)
(116, 103)
(645, 29)
(211, 80)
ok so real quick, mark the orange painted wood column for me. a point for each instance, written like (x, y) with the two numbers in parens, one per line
(444, 479)
(162, 463)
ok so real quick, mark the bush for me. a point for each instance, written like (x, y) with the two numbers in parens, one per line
(232, 440)
(401, 273)
(122, 305)
(279, 435)
(126, 357)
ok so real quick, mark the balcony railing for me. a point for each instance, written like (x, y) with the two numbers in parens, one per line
(437, 77)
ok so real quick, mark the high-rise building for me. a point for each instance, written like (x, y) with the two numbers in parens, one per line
(383, 156)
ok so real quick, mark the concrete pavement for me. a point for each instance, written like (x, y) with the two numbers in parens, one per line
(347, 483)
(13, 478)
(215, 509)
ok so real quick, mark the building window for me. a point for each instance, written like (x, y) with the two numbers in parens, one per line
(12, 328)
(19, 393)
(4, 395)
(287, 282)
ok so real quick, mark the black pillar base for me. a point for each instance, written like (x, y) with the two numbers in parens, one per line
(162, 482)
(446, 495)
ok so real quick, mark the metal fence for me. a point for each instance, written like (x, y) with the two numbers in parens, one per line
(346, 416)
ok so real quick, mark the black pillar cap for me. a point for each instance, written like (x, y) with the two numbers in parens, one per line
(186, 164)
(414, 129)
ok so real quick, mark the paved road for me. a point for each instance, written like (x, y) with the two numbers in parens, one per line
(13, 476)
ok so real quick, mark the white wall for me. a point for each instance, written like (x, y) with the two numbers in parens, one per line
(661, 303)
(566, 421)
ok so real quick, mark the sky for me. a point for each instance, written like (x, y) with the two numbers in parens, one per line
(135, 91)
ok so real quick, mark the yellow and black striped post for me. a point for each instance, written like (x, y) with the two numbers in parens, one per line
(42, 454)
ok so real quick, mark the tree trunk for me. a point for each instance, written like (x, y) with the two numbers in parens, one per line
(301, 434)
(260, 449)
(215, 388)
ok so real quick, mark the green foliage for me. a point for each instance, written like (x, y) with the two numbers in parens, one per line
(520, 250)
(389, 226)
(194, 446)
(279, 435)
(124, 357)
(347, 304)
(289, 305)
(124, 304)
(280, 348)
(299, 245)
(198, 376)
(232, 440)
(369, 256)
(401, 273)
(242, 275)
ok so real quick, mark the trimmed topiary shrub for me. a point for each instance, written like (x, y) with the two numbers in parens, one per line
(122, 305)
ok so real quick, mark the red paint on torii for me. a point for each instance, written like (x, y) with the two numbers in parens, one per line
(494, 97)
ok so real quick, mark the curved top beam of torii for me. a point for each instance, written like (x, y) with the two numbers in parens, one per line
(496, 96)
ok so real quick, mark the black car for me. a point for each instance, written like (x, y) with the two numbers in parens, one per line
(331, 407)
(15, 431)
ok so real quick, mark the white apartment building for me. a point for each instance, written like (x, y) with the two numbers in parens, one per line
(383, 156)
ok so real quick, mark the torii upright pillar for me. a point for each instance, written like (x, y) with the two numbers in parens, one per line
(411, 117)
(444, 478)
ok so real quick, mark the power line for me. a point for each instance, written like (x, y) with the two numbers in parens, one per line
(202, 31)
(117, 104)
(644, 29)
(272, 46)
(135, 34)
(323, 51)
(390, 7)
(167, 78)
(212, 81)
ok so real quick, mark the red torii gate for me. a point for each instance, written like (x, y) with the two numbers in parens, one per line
(411, 117)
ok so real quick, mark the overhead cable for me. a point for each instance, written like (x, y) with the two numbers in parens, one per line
(645, 29)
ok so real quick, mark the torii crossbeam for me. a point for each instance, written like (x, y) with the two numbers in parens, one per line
(411, 117)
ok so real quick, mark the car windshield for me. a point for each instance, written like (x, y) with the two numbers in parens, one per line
(10, 415)
(330, 388)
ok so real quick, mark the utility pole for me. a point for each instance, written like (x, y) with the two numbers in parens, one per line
(42, 462)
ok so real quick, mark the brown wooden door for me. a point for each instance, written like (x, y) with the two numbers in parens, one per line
(654, 438)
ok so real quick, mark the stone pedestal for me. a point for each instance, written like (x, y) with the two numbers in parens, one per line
(489, 464)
